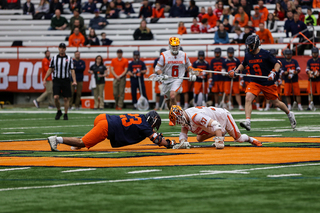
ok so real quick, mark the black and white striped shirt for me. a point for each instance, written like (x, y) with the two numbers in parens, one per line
(62, 66)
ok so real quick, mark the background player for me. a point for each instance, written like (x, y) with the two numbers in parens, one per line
(121, 130)
(291, 70)
(230, 63)
(157, 89)
(201, 84)
(207, 122)
(217, 82)
(313, 69)
(261, 63)
(173, 63)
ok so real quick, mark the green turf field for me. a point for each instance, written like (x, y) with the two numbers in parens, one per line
(268, 188)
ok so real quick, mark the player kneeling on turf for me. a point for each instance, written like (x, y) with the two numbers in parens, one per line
(207, 122)
(121, 130)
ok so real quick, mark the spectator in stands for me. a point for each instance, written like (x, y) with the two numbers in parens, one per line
(120, 5)
(241, 17)
(265, 35)
(216, 28)
(310, 19)
(112, 11)
(28, 8)
(49, 92)
(128, 9)
(99, 71)
(211, 17)
(290, 7)
(89, 7)
(202, 13)
(13, 4)
(247, 33)
(178, 10)
(270, 1)
(82, 29)
(143, 32)
(193, 10)
(76, 39)
(181, 28)
(236, 25)
(76, 16)
(306, 3)
(251, 27)
(284, 4)
(234, 4)
(298, 26)
(246, 7)
(204, 27)
(238, 38)
(157, 11)
(104, 6)
(195, 28)
(316, 4)
(221, 35)
(288, 22)
(79, 67)
(75, 4)
(104, 40)
(226, 25)
(2, 5)
(119, 67)
(58, 22)
(145, 10)
(279, 12)
(92, 39)
(219, 10)
(301, 15)
(56, 5)
(257, 17)
(263, 10)
(226, 14)
(42, 10)
(271, 23)
(97, 22)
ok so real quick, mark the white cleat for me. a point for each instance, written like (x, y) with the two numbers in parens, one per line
(292, 120)
(300, 108)
(266, 109)
(52, 140)
(246, 125)
(241, 108)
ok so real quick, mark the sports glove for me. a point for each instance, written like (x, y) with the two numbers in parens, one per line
(157, 138)
(224, 73)
(291, 73)
(316, 73)
(218, 142)
(232, 73)
(311, 74)
(163, 77)
(196, 71)
(182, 145)
(170, 144)
(192, 78)
(271, 75)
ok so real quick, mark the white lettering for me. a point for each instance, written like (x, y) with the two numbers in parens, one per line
(36, 83)
(27, 84)
(4, 71)
(87, 103)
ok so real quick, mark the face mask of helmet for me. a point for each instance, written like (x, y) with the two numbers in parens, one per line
(174, 49)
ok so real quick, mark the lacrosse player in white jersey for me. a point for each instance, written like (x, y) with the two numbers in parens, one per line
(171, 68)
(207, 122)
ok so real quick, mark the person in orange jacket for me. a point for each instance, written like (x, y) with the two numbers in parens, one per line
(212, 18)
(263, 10)
(76, 39)
(241, 17)
(182, 29)
(265, 35)
(157, 11)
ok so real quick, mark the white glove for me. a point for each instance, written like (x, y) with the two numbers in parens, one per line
(271, 75)
(182, 145)
(316, 73)
(192, 78)
(224, 73)
(163, 77)
(218, 142)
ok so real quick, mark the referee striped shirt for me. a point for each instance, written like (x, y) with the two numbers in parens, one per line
(62, 66)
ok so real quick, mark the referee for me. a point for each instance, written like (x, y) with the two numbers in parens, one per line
(60, 67)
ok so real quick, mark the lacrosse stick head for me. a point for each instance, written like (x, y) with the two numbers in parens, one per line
(176, 115)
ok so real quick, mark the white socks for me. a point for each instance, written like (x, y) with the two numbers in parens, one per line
(157, 105)
(248, 120)
(60, 139)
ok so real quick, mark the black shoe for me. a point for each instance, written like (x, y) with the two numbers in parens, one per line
(58, 115)
(36, 103)
(308, 109)
(65, 117)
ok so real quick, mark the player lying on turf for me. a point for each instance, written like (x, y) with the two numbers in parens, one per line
(121, 130)
(207, 122)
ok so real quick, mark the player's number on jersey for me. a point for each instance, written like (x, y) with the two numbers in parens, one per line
(175, 71)
(257, 69)
(217, 68)
(126, 121)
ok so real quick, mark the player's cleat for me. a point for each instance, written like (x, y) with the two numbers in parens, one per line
(58, 115)
(266, 109)
(241, 108)
(65, 117)
(292, 120)
(259, 109)
(300, 108)
(246, 125)
(36, 103)
(52, 140)
(255, 142)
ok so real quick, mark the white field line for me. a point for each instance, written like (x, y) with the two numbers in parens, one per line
(153, 178)
(38, 119)
(12, 169)
(78, 170)
(12, 133)
(145, 171)
(44, 127)
(284, 175)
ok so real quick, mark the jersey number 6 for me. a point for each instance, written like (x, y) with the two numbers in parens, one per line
(175, 71)
(127, 121)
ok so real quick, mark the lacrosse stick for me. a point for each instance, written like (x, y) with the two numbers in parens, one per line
(293, 97)
(203, 93)
(222, 101)
(155, 77)
(230, 95)
(237, 74)
(311, 97)
(142, 103)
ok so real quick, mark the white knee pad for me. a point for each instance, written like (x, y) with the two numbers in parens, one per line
(243, 138)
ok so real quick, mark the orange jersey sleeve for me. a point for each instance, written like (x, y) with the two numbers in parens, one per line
(45, 67)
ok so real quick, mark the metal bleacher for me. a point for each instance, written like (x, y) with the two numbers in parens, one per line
(35, 33)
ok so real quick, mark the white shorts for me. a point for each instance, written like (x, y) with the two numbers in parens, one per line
(175, 85)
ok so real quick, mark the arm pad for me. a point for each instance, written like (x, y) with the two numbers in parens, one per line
(157, 68)
(216, 125)
(157, 138)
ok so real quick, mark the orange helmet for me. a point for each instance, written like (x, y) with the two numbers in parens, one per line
(176, 115)
(174, 45)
